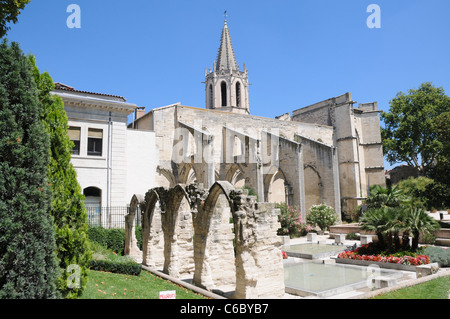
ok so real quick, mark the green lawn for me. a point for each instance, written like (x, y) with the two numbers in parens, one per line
(434, 289)
(103, 285)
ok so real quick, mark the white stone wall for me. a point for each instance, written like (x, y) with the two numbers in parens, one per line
(142, 160)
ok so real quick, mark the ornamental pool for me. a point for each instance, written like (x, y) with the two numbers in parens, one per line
(313, 250)
(324, 280)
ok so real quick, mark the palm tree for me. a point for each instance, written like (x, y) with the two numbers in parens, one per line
(397, 223)
(390, 197)
(419, 222)
(375, 220)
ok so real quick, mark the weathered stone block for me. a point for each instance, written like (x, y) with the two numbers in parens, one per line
(312, 237)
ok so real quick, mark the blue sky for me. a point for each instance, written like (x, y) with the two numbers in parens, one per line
(297, 52)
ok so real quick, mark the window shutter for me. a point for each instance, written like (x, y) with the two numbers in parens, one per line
(74, 133)
(95, 133)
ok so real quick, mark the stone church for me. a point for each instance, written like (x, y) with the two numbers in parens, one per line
(329, 152)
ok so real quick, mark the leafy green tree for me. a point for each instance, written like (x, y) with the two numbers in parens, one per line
(411, 132)
(67, 209)
(439, 192)
(416, 189)
(28, 265)
(9, 10)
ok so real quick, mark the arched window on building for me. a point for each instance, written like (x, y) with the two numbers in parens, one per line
(223, 89)
(93, 203)
(93, 197)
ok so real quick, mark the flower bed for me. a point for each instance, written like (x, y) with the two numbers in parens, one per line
(403, 260)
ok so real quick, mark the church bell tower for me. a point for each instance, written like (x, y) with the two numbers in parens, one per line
(226, 85)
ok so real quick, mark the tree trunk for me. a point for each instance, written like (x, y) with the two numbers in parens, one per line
(381, 242)
(415, 241)
(405, 241)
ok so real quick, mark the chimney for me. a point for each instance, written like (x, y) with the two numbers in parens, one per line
(140, 111)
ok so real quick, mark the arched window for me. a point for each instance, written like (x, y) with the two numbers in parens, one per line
(93, 197)
(93, 203)
(223, 89)
(238, 94)
(211, 99)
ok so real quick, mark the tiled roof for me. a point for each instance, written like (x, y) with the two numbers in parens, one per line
(64, 87)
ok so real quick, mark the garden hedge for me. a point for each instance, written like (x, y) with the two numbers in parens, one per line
(127, 268)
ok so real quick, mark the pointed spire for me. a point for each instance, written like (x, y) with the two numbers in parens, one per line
(226, 59)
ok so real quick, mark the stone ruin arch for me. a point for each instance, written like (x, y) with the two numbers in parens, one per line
(258, 269)
(178, 233)
(213, 239)
(152, 235)
(275, 185)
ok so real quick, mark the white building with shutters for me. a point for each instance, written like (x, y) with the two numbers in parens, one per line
(112, 162)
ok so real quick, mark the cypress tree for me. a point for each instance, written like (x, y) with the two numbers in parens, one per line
(28, 264)
(67, 209)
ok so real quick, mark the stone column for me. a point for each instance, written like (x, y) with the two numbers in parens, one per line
(259, 263)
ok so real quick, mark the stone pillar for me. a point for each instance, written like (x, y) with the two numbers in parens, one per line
(131, 248)
(259, 263)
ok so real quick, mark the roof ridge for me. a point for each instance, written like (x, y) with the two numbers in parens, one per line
(64, 87)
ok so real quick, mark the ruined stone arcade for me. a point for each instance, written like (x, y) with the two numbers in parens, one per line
(188, 231)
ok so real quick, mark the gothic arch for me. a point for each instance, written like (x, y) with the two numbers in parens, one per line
(275, 186)
(223, 93)
(167, 177)
(214, 238)
(131, 247)
(178, 233)
(235, 175)
(220, 187)
(187, 174)
(152, 234)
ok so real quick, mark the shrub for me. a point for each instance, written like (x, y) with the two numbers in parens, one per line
(438, 255)
(321, 215)
(113, 238)
(105, 259)
(352, 236)
(290, 220)
(124, 267)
